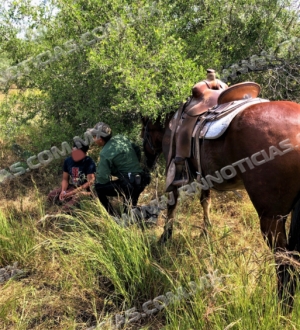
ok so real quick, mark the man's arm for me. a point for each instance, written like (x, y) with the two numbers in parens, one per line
(103, 171)
(64, 185)
(90, 181)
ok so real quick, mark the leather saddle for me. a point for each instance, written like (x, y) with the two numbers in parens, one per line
(193, 112)
(202, 100)
(244, 90)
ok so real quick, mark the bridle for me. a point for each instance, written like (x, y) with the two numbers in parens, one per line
(147, 139)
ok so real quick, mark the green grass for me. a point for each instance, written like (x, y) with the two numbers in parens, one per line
(84, 269)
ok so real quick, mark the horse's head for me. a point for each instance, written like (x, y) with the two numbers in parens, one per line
(152, 134)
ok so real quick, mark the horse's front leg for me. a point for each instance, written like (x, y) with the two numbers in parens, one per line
(274, 231)
(168, 227)
(205, 200)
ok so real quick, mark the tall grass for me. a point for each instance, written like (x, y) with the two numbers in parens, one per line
(17, 238)
(123, 255)
(84, 268)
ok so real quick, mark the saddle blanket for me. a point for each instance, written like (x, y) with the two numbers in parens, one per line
(216, 127)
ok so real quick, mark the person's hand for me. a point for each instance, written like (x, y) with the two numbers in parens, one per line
(62, 195)
(69, 194)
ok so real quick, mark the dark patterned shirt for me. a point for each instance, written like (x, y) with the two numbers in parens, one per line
(78, 171)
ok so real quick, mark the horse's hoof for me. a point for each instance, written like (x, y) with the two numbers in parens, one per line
(165, 237)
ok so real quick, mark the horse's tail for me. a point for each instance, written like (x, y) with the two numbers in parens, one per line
(294, 234)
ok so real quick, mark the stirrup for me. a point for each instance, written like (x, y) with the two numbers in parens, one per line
(182, 174)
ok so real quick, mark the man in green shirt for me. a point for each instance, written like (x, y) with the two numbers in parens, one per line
(117, 158)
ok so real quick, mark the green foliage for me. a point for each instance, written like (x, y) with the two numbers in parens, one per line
(147, 56)
(219, 33)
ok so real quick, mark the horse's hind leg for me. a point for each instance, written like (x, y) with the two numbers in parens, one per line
(168, 227)
(205, 200)
(291, 274)
(274, 231)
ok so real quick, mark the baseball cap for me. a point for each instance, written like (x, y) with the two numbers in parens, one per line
(210, 71)
(100, 130)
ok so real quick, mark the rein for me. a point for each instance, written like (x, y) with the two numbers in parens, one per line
(154, 152)
(148, 139)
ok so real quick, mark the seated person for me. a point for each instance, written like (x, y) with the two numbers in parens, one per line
(118, 158)
(78, 175)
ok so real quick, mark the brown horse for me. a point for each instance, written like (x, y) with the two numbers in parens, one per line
(259, 152)
(152, 134)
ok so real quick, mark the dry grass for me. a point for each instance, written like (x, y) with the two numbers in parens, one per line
(66, 284)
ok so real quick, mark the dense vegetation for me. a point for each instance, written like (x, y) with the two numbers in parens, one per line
(116, 60)
(65, 65)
